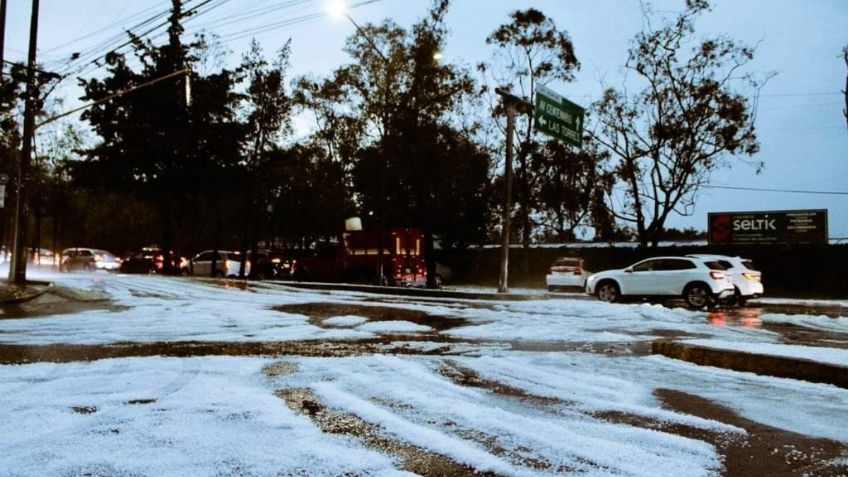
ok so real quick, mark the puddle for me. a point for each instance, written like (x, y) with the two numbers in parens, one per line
(744, 317)
(64, 353)
(749, 317)
(445, 302)
(318, 312)
(414, 459)
(831, 311)
(637, 348)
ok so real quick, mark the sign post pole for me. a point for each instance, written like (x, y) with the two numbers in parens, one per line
(512, 104)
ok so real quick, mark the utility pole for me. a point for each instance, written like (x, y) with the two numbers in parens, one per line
(2, 36)
(512, 103)
(3, 216)
(17, 270)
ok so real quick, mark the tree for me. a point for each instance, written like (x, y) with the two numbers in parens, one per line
(154, 145)
(566, 180)
(268, 107)
(309, 198)
(11, 87)
(393, 114)
(684, 123)
(531, 51)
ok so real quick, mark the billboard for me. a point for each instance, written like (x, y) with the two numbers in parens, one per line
(770, 226)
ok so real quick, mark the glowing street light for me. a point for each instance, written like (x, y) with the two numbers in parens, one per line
(337, 8)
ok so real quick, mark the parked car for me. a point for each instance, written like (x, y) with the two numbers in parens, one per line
(747, 280)
(700, 282)
(269, 264)
(567, 272)
(153, 260)
(227, 264)
(88, 259)
(42, 257)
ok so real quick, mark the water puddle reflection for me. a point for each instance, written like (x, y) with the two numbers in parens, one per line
(745, 317)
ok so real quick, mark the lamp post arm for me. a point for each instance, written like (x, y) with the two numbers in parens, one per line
(367, 38)
(183, 71)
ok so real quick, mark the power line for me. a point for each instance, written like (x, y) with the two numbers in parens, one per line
(787, 191)
(783, 95)
(802, 128)
(107, 27)
(34, 68)
(93, 57)
(237, 35)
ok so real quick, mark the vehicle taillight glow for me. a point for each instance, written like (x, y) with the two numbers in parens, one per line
(717, 275)
(751, 276)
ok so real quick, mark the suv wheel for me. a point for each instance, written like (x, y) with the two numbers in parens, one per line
(608, 292)
(697, 296)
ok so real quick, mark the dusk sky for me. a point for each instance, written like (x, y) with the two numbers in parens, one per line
(802, 132)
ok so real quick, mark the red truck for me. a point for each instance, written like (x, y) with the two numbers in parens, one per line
(356, 259)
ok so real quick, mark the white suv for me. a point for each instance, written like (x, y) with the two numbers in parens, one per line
(747, 280)
(700, 282)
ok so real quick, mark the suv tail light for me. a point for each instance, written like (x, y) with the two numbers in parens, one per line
(718, 275)
(751, 276)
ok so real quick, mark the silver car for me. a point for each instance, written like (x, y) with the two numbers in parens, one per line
(227, 264)
(88, 259)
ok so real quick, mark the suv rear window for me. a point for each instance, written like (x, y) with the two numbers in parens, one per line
(567, 263)
(714, 265)
(750, 265)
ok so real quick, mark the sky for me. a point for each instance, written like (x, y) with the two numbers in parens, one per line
(803, 135)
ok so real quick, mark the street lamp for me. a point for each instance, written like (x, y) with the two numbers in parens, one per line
(338, 9)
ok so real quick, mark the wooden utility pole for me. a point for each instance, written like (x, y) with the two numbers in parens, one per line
(512, 103)
(3, 215)
(2, 36)
(17, 270)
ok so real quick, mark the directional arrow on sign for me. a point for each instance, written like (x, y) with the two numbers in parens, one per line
(558, 117)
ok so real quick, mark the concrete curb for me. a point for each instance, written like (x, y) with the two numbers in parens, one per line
(777, 366)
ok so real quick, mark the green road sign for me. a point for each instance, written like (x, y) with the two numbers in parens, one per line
(558, 117)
